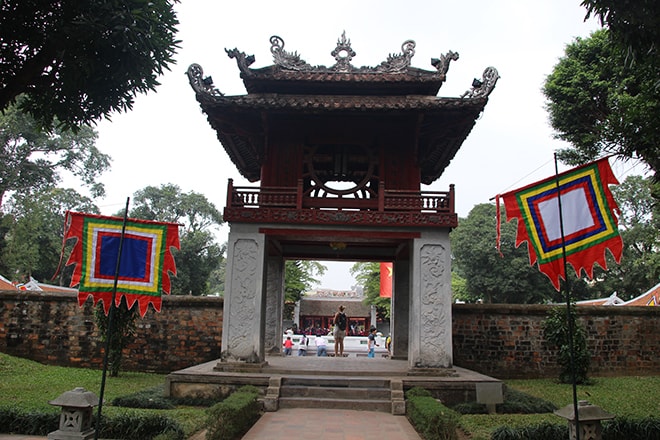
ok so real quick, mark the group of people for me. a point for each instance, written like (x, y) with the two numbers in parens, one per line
(340, 322)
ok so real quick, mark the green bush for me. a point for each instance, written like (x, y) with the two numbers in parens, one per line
(515, 402)
(556, 332)
(640, 429)
(140, 427)
(128, 426)
(617, 429)
(543, 431)
(151, 398)
(14, 420)
(234, 416)
(431, 419)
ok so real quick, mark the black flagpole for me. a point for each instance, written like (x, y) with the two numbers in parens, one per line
(110, 322)
(569, 317)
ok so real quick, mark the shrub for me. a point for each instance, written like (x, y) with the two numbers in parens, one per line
(515, 402)
(151, 398)
(640, 429)
(431, 419)
(133, 426)
(234, 416)
(556, 332)
(140, 427)
(13, 420)
(543, 431)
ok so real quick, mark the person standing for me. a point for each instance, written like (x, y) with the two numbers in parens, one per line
(339, 332)
(321, 346)
(371, 343)
(302, 345)
(288, 344)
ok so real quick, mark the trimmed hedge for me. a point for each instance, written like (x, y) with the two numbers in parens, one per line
(515, 402)
(234, 416)
(133, 426)
(431, 419)
(617, 429)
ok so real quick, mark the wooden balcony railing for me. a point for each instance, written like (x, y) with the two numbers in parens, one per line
(386, 200)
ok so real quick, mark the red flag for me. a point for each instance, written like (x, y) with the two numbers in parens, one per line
(386, 280)
(146, 259)
(590, 225)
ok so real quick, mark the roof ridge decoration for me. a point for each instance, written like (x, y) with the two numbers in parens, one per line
(481, 88)
(343, 55)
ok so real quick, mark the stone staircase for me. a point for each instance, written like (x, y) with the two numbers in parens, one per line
(335, 392)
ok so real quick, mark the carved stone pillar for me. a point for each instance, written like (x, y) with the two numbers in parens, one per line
(430, 307)
(245, 296)
(274, 303)
(400, 309)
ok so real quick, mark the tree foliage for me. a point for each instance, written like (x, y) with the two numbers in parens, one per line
(602, 106)
(634, 25)
(32, 159)
(488, 276)
(639, 225)
(299, 277)
(34, 233)
(367, 275)
(200, 254)
(77, 61)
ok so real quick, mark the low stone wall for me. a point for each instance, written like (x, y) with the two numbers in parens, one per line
(503, 341)
(506, 341)
(50, 328)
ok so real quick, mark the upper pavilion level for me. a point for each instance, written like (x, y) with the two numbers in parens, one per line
(341, 144)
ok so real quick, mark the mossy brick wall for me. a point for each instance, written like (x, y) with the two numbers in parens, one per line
(503, 341)
(506, 341)
(50, 328)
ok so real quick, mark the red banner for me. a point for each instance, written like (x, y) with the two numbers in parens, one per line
(386, 280)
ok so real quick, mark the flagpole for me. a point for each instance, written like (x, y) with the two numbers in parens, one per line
(569, 318)
(110, 322)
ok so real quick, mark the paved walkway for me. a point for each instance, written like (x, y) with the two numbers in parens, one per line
(317, 424)
(331, 424)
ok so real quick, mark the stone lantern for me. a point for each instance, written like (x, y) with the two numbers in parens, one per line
(76, 417)
(589, 417)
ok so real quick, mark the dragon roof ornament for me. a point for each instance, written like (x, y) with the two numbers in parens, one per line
(481, 88)
(343, 55)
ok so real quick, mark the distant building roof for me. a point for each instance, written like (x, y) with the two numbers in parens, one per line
(649, 298)
(33, 285)
(310, 306)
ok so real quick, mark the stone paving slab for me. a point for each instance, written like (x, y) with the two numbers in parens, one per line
(331, 424)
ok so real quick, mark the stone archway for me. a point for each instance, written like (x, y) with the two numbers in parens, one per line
(421, 312)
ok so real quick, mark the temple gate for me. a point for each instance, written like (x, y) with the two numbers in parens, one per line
(340, 153)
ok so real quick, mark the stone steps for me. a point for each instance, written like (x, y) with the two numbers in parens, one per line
(355, 393)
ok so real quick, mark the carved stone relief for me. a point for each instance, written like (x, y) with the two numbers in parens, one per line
(435, 313)
(243, 304)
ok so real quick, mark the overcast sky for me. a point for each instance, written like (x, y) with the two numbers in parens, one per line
(166, 138)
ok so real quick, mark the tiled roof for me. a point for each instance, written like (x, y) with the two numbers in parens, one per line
(328, 307)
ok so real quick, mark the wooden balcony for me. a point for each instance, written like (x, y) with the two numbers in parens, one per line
(290, 205)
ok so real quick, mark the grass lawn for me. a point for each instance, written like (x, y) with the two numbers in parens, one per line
(631, 397)
(29, 385)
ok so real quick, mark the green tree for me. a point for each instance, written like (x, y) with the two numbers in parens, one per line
(35, 229)
(601, 106)
(123, 331)
(639, 224)
(299, 277)
(556, 330)
(200, 254)
(32, 159)
(367, 275)
(77, 61)
(488, 276)
(635, 26)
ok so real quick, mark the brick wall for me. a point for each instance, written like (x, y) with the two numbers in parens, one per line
(52, 329)
(506, 341)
